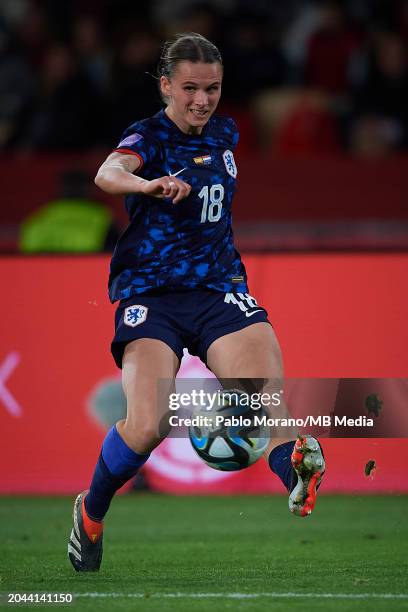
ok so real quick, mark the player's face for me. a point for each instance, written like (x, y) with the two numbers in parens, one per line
(193, 91)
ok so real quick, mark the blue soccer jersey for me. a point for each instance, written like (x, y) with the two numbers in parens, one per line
(184, 245)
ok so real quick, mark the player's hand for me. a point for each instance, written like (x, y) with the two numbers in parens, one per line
(167, 187)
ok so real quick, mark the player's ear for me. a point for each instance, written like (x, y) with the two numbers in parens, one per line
(165, 86)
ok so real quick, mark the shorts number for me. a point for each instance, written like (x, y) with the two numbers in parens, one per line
(215, 195)
(231, 298)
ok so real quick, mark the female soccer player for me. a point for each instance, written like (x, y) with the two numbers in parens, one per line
(180, 282)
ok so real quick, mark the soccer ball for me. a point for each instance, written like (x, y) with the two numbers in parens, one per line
(232, 435)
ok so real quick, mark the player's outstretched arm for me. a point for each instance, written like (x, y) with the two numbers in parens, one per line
(116, 176)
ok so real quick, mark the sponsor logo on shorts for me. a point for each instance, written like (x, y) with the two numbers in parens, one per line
(229, 162)
(249, 314)
(135, 315)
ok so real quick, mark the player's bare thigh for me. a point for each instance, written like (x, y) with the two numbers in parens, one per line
(149, 369)
(252, 352)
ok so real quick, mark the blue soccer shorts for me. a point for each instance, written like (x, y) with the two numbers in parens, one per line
(190, 318)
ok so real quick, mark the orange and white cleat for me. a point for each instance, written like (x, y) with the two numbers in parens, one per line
(85, 541)
(308, 462)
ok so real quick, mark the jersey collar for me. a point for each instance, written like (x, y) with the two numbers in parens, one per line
(176, 130)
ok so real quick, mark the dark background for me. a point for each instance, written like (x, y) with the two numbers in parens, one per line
(319, 90)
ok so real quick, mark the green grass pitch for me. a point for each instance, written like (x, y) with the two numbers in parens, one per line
(214, 553)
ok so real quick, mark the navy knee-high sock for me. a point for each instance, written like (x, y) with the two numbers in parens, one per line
(117, 463)
(279, 462)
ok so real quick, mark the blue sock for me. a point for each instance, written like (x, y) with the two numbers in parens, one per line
(117, 463)
(279, 462)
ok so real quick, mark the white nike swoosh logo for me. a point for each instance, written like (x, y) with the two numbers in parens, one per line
(176, 173)
(249, 314)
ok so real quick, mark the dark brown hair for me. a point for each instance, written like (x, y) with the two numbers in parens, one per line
(190, 47)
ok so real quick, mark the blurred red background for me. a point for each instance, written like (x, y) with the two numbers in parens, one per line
(336, 316)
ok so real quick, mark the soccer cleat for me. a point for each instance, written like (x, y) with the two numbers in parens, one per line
(85, 551)
(308, 463)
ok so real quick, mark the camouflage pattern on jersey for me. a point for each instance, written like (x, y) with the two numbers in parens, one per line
(184, 245)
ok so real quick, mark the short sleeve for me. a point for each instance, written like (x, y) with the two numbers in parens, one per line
(136, 141)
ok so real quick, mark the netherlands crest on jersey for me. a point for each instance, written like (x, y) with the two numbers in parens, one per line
(229, 162)
(135, 315)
